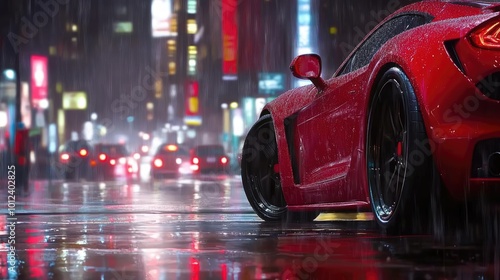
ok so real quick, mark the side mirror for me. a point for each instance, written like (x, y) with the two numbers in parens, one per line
(308, 66)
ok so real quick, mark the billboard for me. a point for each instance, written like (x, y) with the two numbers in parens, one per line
(163, 20)
(271, 83)
(229, 40)
(76, 100)
(123, 27)
(192, 105)
(25, 105)
(39, 81)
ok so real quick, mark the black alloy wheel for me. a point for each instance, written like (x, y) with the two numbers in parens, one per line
(261, 179)
(396, 163)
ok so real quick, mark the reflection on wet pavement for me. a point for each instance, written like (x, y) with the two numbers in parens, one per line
(204, 229)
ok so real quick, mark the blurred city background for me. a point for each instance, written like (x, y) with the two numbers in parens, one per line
(148, 72)
(96, 94)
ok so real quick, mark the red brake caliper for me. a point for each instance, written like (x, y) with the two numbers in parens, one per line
(276, 168)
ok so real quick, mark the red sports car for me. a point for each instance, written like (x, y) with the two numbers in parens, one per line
(410, 117)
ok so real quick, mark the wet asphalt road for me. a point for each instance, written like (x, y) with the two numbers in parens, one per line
(204, 228)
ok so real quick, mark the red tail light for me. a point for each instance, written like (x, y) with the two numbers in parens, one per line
(223, 160)
(196, 160)
(102, 157)
(158, 162)
(112, 162)
(83, 152)
(64, 157)
(487, 35)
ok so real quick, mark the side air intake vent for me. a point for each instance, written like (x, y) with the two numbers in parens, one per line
(450, 48)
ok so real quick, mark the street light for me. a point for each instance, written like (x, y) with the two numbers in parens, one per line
(93, 118)
(226, 119)
(9, 74)
(236, 128)
(44, 104)
(3, 119)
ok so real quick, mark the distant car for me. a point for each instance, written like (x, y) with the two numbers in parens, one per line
(209, 158)
(170, 160)
(110, 161)
(384, 131)
(74, 160)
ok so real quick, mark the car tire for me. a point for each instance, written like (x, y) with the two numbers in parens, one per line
(398, 156)
(261, 182)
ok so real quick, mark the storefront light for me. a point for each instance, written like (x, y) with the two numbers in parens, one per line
(192, 27)
(44, 104)
(9, 74)
(3, 119)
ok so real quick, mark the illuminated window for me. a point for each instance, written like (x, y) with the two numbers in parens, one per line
(192, 55)
(192, 27)
(171, 53)
(158, 89)
(173, 24)
(191, 6)
(123, 27)
(52, 50)
(177, 5)
(171, 68)
(171, 48)
(192, 50)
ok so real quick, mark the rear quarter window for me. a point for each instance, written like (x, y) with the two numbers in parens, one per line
(384, 33)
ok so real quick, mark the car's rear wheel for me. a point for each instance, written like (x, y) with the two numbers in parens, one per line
(398, 156)
(261, 177)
